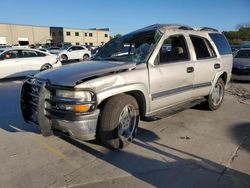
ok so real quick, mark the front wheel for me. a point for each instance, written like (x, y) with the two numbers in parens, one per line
(46, 67)
(119, 121)
(85, 57)
(215, 99)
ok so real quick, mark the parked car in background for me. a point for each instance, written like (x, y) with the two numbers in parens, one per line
(54, 50)
(241, 65)
(171, 67)
(74, 52)
(43, 50)
(4, 46)
(16, 62)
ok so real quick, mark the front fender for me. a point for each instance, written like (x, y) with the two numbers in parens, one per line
(104, 94)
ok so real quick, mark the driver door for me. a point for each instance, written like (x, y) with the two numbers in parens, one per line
(10, 64)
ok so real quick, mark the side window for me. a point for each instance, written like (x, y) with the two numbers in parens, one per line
(221, 43)
(29, 53)
(79, 48)
(174, 49)
(202, 47)
(40, 54)
(12, 54)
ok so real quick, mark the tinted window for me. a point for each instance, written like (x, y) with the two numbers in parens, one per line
(243, 54)
(12, 54)
(221, 43)
(74, 48)
(40, 54)
(202, 47)
(29, 53)
(173, 49)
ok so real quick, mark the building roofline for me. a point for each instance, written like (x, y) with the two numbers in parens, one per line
(98, 29)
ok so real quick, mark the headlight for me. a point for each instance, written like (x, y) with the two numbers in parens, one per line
(77, 101)
(81, 95)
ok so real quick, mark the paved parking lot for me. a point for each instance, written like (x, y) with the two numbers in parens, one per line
(194, 148)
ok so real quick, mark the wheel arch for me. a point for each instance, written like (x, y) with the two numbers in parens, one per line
(138, 91)
(223, 75)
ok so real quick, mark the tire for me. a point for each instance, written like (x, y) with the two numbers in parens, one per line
(64, 57)
(85, 57)
(46, 67)
(215, 99)
(114, 119)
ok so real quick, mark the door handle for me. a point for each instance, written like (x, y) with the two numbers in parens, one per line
(190, 69)
(216, 66)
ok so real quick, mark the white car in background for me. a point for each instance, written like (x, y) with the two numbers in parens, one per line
(74, 52)
(17, 62)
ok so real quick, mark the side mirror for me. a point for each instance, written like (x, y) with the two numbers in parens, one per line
(70, 50)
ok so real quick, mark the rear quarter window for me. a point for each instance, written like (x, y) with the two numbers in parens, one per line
(221, 43)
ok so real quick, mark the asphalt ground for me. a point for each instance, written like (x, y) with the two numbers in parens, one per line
(194, 148)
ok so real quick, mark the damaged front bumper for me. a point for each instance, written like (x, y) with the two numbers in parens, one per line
(39, 105)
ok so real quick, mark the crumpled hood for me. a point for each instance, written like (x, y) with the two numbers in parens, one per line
(69, 75)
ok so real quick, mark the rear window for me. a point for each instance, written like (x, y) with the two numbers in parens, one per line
(221, 43)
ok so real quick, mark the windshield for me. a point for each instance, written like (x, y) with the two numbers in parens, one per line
(243, 54)
(130, 48)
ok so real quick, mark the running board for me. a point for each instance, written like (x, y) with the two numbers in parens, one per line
(173, 110)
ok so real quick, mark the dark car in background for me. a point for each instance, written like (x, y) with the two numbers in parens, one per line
(241, 65)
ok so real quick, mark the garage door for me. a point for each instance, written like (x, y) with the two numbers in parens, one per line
(3, 40)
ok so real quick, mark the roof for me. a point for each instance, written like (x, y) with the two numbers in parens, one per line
(164, 27)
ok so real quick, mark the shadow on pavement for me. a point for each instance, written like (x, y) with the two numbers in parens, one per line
(10, 115)
(241, 133)
(182, 169)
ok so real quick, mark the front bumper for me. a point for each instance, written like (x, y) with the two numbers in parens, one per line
(38, 107)
(240, 77)
(241, 74)
(84, 129)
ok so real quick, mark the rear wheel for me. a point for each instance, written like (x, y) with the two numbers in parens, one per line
(46, 67)
(119, 121)
(215, 99)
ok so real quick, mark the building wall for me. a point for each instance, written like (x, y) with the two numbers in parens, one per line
(34, 34)
(57, 35)
(92, 37)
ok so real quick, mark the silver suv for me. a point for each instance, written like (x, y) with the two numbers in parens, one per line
(151, 70)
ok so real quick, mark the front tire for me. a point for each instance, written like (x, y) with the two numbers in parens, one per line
(46, 67)
(64, 57)
(215, 99)
(119, 121)
(85, 57)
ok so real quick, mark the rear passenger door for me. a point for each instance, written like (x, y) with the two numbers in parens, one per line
(171, 76)
(206, 65)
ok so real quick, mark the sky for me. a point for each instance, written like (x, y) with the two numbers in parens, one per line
(126, 15)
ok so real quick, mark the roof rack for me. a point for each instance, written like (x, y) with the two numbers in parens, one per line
(207, 29)
(177, 26)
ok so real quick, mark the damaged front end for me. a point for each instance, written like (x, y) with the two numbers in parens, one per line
(51, 107)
